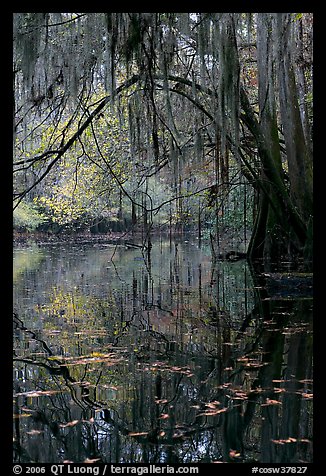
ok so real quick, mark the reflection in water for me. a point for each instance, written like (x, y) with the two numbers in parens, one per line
(167, 361)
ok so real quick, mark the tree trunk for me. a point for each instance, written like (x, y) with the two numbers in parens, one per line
(270, 237)
(271, 184)
(298, 157)
(284, 217)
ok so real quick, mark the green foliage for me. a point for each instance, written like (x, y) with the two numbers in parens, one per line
(85, 183)
(298, 16)
(27, 217)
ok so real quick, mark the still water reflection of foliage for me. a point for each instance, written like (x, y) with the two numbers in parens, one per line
(164, 360)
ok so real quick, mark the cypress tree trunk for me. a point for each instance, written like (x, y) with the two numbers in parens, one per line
(270, 237)
(281, 224)
(297, 142)
(298, 156)
(272, 185)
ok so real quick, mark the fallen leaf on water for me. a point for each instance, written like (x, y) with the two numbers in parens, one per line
(91, 420)
(269, 401)
(140, 433)
(309, 396)
(212, 412)
(212, 404)
(99, 354)
(224, 385)
(93, 357)
(208, 413)
(27, 410)
(81, 382)
(284, 441)
(254, 365)
(234, 454)
(238, 395)
(279, 390)
(164, 416)
(69, 424)
(37, 393)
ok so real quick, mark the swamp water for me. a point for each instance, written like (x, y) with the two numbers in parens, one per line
(171, 360)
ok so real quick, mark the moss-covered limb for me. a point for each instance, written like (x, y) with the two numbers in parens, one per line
(246, 169)
(187, 82)
(249, 172)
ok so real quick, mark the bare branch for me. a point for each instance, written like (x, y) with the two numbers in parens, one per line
(129, 82)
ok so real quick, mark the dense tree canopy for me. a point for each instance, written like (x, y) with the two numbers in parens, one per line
(168, 115)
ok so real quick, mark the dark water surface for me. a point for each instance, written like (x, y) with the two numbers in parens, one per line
(163, 361)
